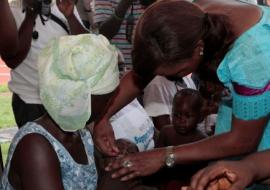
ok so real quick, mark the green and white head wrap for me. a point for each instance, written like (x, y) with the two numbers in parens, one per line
(71, 68)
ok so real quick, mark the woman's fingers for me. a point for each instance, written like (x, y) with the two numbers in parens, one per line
(195, 179)
(131, 176)
(104, 138)
(237, 186)
(212, 173)
(112, 148)
(116, 164)
(124, 168)
(105, 146)
(121, 172)
(210, 176)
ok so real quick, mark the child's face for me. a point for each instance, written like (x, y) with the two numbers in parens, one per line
(185, 117)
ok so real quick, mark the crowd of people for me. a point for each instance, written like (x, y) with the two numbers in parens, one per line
(138, 94)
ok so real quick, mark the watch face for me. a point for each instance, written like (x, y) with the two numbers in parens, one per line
(170, 160)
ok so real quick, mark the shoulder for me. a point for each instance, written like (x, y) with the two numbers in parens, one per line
(167, 129)
(35, 148)
(37, 163)
(242, 15)
(164, 135)
(246, 63)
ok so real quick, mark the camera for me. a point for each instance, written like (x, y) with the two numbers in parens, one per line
(43, 7)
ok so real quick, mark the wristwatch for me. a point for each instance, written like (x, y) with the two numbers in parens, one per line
(169, 157)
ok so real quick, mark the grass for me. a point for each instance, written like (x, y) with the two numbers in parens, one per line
(3, 88)
(6, 115)
(4, 148)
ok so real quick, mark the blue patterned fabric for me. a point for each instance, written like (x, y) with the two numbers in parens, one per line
(74, 176)
(247, 64)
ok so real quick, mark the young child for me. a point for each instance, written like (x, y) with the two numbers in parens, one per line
(186, 115)
(106, 182)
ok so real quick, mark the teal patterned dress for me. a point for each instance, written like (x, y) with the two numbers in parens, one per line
(74, 176)
(247, 64)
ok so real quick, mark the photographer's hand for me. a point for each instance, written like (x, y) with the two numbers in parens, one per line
(30, 13)
(30, 8)
(66, 7)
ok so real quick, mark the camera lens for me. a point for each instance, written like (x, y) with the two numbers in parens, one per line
(46, 7)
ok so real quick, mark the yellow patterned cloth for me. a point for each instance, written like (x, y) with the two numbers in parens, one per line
(71, 68)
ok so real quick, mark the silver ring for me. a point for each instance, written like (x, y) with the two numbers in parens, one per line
(127, 164)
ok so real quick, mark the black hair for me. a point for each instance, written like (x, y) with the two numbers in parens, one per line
(169, 31)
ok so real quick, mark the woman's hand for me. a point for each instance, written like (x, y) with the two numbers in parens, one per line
(238, 173)
(104, 138)
(137, 164)
(66, 7)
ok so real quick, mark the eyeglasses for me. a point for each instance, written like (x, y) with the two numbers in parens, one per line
(129, 25)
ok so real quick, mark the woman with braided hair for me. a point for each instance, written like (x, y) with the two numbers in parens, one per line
(225, 42)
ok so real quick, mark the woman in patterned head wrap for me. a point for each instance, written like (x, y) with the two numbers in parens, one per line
(77, 76)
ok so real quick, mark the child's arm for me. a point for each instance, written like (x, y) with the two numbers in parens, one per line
(161, 140)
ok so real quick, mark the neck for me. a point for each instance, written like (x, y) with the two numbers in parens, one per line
(52, 127)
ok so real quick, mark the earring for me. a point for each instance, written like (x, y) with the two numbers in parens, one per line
(201, 51)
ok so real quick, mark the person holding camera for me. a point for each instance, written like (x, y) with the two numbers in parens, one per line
(38, 21)
(8, 31)
(116, 20)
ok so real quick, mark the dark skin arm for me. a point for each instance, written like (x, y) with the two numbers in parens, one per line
(25, 39)
(8, 31)
(130, 87)
(240, 173)
(26, 29)
(242, 139)
(37, 164)
(67, 8)
(110, 27)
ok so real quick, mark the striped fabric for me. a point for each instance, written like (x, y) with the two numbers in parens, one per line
(104, 10)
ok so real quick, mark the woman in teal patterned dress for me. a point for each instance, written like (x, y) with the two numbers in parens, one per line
(225, 42)
(77, 76)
